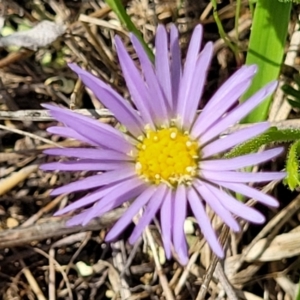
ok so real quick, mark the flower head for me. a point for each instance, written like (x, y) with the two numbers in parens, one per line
(170, 158)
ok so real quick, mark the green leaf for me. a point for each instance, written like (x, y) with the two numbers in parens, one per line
(266, 49)
(267, 138)
(289, 90)
(295, 1)
(119, 10)
(297, 78)
(292, 166)
(294, 103)
(298, 295)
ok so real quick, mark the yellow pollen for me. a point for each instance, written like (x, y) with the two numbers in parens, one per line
(167, 155)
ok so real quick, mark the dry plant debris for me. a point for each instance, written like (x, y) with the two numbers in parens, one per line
(40, 258)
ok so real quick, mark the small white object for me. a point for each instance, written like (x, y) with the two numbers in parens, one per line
(83, 269)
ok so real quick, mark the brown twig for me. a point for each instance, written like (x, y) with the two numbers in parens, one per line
(53, 227)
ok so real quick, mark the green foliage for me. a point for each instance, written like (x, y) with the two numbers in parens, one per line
(298, 295)
(273, 135)
(265, 139)
(292, 166)
(266, 49)
(119, 10)
(295, 93)
(221, 30)
(295, 1)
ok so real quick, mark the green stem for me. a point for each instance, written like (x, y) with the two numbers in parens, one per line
(119, 10)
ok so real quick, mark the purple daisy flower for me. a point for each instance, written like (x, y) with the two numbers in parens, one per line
(169, 159)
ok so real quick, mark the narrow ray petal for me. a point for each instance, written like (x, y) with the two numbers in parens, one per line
(99, 133)
(162, 62)
(127, 190)
(216, 206)
(101, 138)
(95, 181)
(189, 71)
(175, 66)
(204, 222)
(194, 93)
(158, 102)
(236, 207)
(88, 200)
(166, 222)
(235, 177)
(135, 83)
(86, 119)
(233, 139)
(122, 110)
(249, 192)
(150, 211)
(178, 224)
(133, 209)
(69, 133)
(240, 161)
(200, 128)
(244, 73)
(241, 111)
(84, 165)
(89, 153)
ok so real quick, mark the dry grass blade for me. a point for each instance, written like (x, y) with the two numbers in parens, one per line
(162, 277)
(10, 182)
(210, 271)
(282, 246)
(43, 114)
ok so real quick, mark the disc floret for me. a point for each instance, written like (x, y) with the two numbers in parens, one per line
(167, 155)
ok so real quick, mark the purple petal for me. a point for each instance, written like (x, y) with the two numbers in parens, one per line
(188, 72)
(124, 192)
(162, 62)
(194, 93)
(159, 105)
(200, 129)
(86, 119)
(133, 209)
(99, 137)
(166, 222)
(95, 181)
(233, 139)
(78, 219)
(99, 133)
(216, 206)
(135, 83)
(178, 224)
(240, 161)
(84, 165)
(87, 200)
(204, 222)
(250, 192)
(230, 91)
(175, 65)
(122, 110)
(236, 207)
(89, 153)
(235, 177)
(150, 211)
(69, 133)
(241, 111)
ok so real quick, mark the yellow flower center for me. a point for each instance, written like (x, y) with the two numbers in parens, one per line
(167, 155)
